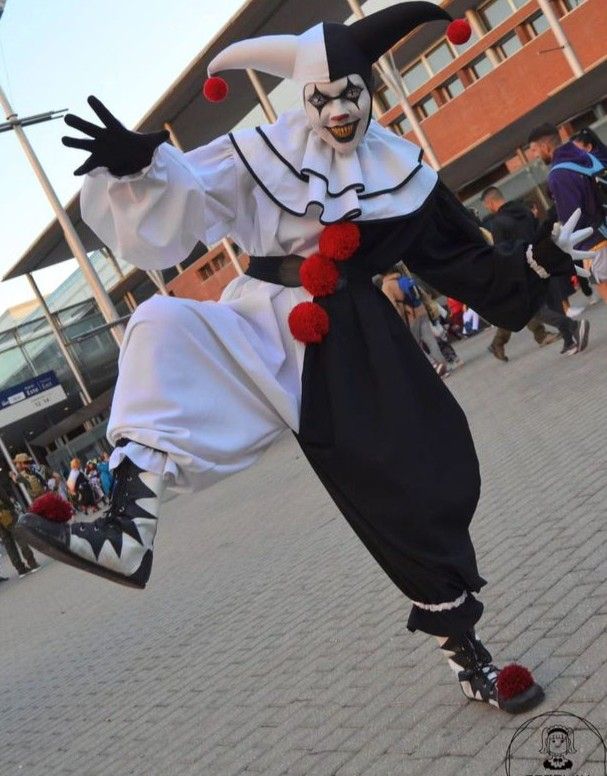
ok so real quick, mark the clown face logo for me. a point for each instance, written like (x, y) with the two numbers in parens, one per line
(556, 743)
(339, 111)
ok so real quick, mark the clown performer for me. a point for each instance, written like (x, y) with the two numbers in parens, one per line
(321, 200)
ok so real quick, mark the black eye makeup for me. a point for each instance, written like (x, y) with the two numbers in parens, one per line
(352, 92)
(318, 100)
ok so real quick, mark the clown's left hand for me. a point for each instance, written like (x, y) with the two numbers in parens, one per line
(555, 254)
(566, 237)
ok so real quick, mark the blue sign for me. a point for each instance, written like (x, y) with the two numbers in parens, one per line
(26, 390)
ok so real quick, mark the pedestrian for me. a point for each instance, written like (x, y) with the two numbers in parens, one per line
(321, 200)
(105, 474)
(513, 222)
(23, 565)
(82, 495)
(405, 295)
(572, 185)
(33, 482)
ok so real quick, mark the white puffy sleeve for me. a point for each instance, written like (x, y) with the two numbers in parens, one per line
(153, 219)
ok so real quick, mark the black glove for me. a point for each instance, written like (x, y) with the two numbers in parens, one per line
(113, 146)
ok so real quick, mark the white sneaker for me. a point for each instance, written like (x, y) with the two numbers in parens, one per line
(575, 312)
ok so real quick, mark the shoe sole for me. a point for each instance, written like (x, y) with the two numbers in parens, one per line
(524, 701)
(58, 552)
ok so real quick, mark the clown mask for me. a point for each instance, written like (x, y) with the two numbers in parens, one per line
(339, 111)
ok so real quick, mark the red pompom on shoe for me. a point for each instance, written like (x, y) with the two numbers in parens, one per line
(459, 31)
(513, 680)
(215, 89)
(309, 322)
(52, 507)
(339, 241)
(319, 275)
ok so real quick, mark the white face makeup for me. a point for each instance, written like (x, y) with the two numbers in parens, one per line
(339, 111)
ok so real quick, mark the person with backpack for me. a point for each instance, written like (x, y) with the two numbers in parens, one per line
(572, 184)
(26, 475)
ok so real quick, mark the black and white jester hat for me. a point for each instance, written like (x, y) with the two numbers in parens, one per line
(329, 51)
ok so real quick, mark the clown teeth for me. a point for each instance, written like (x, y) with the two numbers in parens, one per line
(343, 132)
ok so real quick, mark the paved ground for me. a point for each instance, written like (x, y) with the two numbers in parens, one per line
(268, 641)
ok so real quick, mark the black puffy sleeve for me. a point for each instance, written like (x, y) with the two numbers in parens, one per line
(452, 256)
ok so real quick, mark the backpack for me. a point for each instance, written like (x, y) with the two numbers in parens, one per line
(597, 173)
(409, 288)
(36, 485)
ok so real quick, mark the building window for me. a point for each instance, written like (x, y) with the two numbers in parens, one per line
(440, 57)
(205, 272)
(415, 77)
(453, 87)
(537, 24)
(480, 67)
(219, 261)
(571, 5)
(402, 126)
(509, 45)
(497, 11)
(427, 107)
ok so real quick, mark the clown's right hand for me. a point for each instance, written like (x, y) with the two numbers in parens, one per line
(113, 146)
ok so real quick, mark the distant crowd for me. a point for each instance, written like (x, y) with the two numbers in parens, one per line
(86, 488)
(577, 179)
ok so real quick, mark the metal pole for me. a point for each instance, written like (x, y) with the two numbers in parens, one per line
(392, 79)
(561, 38)
(105, 251)
(227, 246)
(262, 96)
(156, 277)
(13, 468)
(31, 452)
(84, 393)
(71, 236)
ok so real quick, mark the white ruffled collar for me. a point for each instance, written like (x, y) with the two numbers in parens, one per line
(383, 177)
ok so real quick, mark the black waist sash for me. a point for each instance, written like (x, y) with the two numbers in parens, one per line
(282, 270)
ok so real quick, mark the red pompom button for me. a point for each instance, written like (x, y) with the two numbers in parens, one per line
(52, 507)
(339, 241)
(215, 89)
(308, 322)
(459, 31)
(513, 680)
(319, 275)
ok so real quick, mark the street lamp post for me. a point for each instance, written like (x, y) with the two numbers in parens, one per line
(71, 235)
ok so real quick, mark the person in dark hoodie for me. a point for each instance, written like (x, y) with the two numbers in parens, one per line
(513, 221)
(573, 188)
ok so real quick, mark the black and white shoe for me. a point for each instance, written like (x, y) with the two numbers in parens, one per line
(511, 689)
(117, 546)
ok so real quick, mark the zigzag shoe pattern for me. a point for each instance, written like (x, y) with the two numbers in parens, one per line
(117, 546)
(479, 678)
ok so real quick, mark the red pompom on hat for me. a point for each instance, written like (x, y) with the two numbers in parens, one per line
(459, 31)
(52, 507)
(215, 89)
(319, 275)
(513, 680)
(309, 322)
(339, 241)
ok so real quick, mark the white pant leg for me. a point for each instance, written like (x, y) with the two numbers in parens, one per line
(209, 384)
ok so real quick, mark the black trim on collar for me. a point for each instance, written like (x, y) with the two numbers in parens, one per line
(346, 217)
(304, 174)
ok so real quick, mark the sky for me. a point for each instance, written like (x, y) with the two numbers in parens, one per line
(52, 56)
